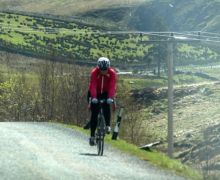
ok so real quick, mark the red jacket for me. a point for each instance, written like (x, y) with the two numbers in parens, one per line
(102, 83)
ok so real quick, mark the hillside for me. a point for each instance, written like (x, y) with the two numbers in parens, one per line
(96, 16)
(67, 41)
(64, 7)
(74, 41)
(171, 15)
(148, 15)
(196, 118)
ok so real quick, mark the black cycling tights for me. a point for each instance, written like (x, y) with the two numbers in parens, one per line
(95, 112)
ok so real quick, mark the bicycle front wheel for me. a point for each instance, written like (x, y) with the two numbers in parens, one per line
(100, 146)
(100, 134)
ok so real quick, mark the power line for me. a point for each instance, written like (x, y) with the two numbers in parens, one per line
(108, 32)
(190, 35)
(199, 35)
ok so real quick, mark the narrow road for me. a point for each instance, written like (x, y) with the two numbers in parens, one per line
(46, 151)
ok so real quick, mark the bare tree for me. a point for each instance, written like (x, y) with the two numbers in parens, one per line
(72, 90)
(132, 124)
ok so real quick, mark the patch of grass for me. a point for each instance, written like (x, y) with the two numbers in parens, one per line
(187, 79)
(157, 82)
(213, 71)
(156, 158)
(140, 83)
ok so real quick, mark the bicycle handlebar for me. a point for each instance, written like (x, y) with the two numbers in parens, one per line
(100, 101)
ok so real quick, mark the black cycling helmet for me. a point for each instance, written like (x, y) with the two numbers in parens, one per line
(103, 63)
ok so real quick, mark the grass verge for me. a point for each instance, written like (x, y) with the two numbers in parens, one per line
(156, 158)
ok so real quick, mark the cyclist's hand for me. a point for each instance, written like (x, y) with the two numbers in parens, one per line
(94, 101)
(110, 101)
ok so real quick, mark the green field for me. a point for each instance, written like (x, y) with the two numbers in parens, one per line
(74, 41)
(71, 40)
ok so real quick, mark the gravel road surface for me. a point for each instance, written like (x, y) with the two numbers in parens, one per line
(47, 151)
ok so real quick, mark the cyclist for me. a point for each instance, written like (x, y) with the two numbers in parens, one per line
(102, 85)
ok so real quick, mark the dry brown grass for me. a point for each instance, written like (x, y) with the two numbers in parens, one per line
(192, 114)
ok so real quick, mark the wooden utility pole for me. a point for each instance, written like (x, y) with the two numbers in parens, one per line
(170, 96)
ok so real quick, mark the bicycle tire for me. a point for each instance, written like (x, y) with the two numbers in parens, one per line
(100, 143)
(100, 135)
(101, 147)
